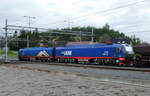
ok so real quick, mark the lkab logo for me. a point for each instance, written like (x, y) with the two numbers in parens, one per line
(43, 53)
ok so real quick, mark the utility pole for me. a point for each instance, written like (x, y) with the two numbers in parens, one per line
(29, 17)
(92, 37)
(69, 24)
(0, 43)
(80, 36)
(6, 45)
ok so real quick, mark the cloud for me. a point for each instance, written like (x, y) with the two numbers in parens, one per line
(52, 13)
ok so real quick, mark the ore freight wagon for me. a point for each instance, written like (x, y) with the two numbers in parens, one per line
(104, 54)
(142, 55)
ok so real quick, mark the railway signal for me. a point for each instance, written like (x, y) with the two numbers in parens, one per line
(54, 41)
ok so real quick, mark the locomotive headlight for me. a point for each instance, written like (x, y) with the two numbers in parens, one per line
(117, 61)
(129, 49)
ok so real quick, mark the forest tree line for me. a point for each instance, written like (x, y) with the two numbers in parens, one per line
(101, 35)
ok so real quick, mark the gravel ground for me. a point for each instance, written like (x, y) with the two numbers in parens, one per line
(142, 78)
(22, 82)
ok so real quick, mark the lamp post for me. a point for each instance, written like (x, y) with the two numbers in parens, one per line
(29, 17)
(6, 43)
(69, 24)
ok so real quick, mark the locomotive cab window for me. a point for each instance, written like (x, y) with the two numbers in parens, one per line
(119, 49)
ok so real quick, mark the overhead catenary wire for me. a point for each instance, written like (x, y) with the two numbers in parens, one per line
(119, 8)
(145, 31)
(15, 27)
(25, 28)
(131, 28)
(107, 10)
(102, 11)
(134, 25)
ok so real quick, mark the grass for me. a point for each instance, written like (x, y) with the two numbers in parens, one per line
(10, 53)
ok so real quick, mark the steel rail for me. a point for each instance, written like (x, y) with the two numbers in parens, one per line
(87, 66)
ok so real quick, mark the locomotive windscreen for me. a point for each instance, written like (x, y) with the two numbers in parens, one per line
(129, 49)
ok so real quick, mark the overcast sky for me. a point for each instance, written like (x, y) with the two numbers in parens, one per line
(132, 19)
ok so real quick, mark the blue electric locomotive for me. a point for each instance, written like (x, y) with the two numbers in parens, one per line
(114, 54)
(96, 53)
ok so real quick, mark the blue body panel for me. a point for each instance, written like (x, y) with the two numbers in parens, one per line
(37, 51)
(92, 50)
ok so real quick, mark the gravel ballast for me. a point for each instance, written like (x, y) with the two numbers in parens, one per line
(23, 82)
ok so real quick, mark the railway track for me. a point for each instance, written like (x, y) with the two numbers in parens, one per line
(121, 75)
(146, 84)
(94, 66)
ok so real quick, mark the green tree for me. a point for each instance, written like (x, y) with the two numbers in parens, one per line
(101, 35)
(135, 41)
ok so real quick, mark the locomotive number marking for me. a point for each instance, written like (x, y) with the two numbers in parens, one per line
(105, 53)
